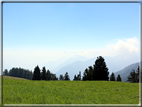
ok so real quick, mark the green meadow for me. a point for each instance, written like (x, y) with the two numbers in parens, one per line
(22, 91)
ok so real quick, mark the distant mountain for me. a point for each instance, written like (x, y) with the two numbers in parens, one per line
(124, 73)
(72, 69)
(53, 64)
(119, 62)
(113, 63)
(67, 62)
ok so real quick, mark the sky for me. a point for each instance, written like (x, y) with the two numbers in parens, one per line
(38, 33)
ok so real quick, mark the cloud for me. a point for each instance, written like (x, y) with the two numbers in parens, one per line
(29, 58)
(126, 46)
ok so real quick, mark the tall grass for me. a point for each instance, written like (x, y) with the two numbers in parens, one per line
(20, 91)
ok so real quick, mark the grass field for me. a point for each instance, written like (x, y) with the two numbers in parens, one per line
(22, 91)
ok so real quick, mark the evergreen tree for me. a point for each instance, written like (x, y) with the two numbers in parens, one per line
(78, 76)
(138, 75)
(112, 77)
(90, 73)
(48, 75)
(31, 75)
(12, 72)
(20, 72)
(27, 75)
(118, 78)
(53, 77)
(100, 70)
(75, 78)
(85, 75)
(66, 77)
(132, 77)
(43, 77)
(5, 72)
(61, 77)
(36, 75)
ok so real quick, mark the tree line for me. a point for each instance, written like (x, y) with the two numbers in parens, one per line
(44, 75)
(112, 77)
(19, 72)
(98, 71)
(134, 76)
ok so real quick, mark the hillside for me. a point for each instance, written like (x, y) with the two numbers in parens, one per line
(19, 91)
(14, 78)
(124, 73)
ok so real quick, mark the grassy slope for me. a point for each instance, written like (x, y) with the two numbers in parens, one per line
(23, 91)
(15, 78)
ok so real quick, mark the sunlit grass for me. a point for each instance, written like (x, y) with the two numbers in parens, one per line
(20, 91)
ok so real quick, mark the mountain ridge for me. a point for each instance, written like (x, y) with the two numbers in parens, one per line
(124, 73)
(114, 64)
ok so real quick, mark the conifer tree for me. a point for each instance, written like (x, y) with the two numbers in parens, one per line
(90, 73)
(118, 78)
(48, 74)
(66, 77)
(78, 76)
(61, 77)
(20, 72)
(28, 75)
(85, 75)
(100, 69)
(138, 74)
(53, 77)
(36, 75)
(75, 78)
(43, 77)
(132, 77)
(112, 77)
(5, 72)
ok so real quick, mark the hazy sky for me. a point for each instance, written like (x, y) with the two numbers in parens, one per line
(37, 33)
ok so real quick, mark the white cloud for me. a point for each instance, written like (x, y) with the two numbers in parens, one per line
(127, 46)
(29, 58)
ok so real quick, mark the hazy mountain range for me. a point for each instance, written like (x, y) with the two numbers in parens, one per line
(114, 64)
(124, 73)
(62, 63)
(118, 64)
